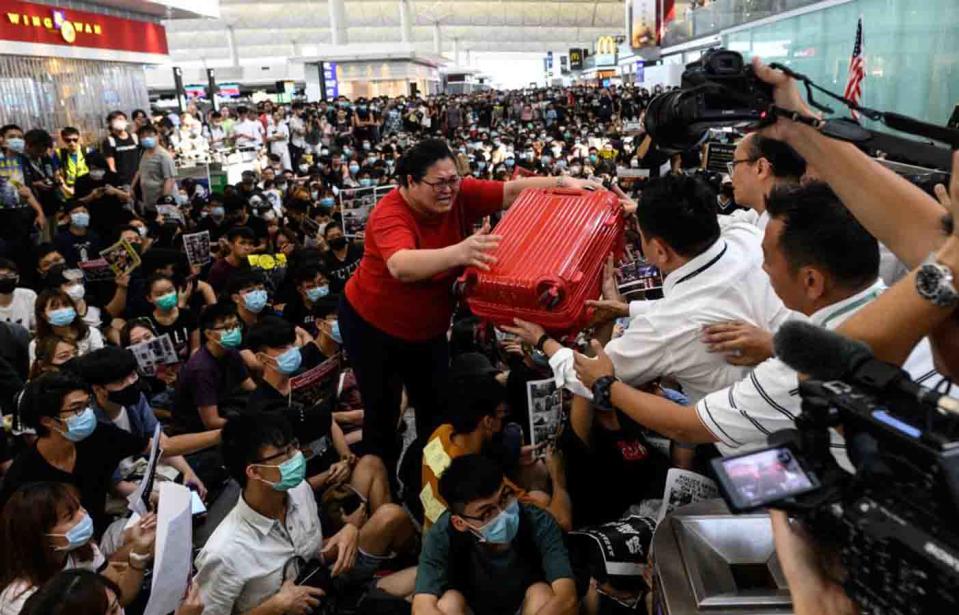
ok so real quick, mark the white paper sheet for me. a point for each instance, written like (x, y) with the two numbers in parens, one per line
(138, 500)
(174, 547)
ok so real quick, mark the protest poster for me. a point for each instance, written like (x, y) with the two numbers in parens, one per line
(121, 257)
(637, 276)
(354, 220)
(173, 559)
(545, 410)
(684, 487)
(139, 501)
(152, 354)
(197, 247)
(98, 270)
(317, 384)
(171, 213)
(267, 262)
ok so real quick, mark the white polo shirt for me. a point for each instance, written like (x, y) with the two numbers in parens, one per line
(767, 400)
(242, 563)
(252, 129)
(664, 337)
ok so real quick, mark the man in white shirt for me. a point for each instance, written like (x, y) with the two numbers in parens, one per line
(248, 131)
(823, 264)
(298, 143)
(279, 139)
(243, 567)
(760, 164)
(709, 277)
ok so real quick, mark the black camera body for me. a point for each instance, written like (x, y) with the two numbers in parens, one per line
(896, 520)
(719, 89)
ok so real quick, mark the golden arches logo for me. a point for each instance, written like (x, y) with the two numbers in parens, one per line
(606, 45)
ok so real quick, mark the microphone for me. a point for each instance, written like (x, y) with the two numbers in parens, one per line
(825, 355)
(817, 351)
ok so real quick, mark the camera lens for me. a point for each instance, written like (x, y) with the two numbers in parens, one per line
(669, 120)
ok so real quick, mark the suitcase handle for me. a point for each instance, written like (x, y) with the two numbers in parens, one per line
(566, 191)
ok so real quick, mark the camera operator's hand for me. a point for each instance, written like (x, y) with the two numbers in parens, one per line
(785, 95)
(812, 591)
(740, 343)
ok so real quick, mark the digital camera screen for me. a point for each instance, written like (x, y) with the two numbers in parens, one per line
(766, 476)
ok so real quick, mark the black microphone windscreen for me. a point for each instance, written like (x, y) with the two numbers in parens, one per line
(818, 352)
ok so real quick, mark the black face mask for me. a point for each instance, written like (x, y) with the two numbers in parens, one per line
(127, 396)
(337, 243)
(7, 285)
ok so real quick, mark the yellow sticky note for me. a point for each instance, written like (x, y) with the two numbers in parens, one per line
(432, 507)
(436, 458)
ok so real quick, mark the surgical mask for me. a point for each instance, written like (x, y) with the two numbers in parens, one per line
(502, 529)
(327, 201)
(335, 333)
(142, 230)
(366, 145)
(575, 170)
(76, 292)
(354, 169)
(97, 175)
(232, 338)
(79, 427)
(255, 300)
(509, 162)
(366, 182)
(288, 362)
(292, 473)
(62, 317)
(304, 168)
(317, 292)
(218, 212)
(78, 535)
(16, 144)
(149, 142)
(166, 302)
(127, 396)
(80, 219)
(119, 125)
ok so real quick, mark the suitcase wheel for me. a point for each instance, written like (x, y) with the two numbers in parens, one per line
(550, 295)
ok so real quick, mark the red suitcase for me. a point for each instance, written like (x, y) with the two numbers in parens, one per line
(550, 261)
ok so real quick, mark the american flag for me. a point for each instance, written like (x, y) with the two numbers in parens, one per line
(857, 71)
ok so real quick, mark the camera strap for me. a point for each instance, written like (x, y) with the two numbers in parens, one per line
(850, 130)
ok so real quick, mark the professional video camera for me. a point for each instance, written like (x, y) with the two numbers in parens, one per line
(720, 89)
(895, 519)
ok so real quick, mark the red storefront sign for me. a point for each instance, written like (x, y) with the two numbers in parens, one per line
(27, 22)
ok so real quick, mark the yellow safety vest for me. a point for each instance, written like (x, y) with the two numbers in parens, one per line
(72, 169)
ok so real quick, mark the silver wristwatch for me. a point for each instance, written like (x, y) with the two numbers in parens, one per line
(935, 283)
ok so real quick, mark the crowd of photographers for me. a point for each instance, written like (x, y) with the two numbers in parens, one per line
(406, 480)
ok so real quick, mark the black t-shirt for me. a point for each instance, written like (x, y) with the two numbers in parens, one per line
(597, 473)
(107, 212)
(299, 315)
(126, 156)
(216, 230)
(76, 248)
(186, 323)
(257, 225)
(97, 459)
(207, 381)
(339, 271)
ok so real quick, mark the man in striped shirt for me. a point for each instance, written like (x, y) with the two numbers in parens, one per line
(822, 263)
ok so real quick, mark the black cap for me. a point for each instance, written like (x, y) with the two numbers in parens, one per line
(471, 365)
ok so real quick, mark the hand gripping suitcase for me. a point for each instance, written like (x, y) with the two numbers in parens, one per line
(550, 260)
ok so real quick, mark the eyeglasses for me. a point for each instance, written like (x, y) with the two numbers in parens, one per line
(72, 140)
(731, 165)
(226, 326)
(505, 501)
(77, 408)
(440, 186)
(288, 451)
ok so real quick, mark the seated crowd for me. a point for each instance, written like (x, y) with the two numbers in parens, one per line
(362, 443)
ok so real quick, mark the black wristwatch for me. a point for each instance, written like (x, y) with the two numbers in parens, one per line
(542, 342)
(602, 392)
(935, 283)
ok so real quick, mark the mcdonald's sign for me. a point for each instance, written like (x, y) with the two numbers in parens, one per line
(576, 59)
(606, 48)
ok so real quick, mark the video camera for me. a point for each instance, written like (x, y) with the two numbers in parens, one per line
(895, 518)
(720, 89)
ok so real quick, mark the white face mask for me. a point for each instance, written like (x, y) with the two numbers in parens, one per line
(119, 125)
(76, 292)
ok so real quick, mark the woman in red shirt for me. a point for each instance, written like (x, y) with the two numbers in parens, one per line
(397, 307)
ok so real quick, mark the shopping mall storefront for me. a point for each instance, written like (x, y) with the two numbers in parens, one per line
(65, 67)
